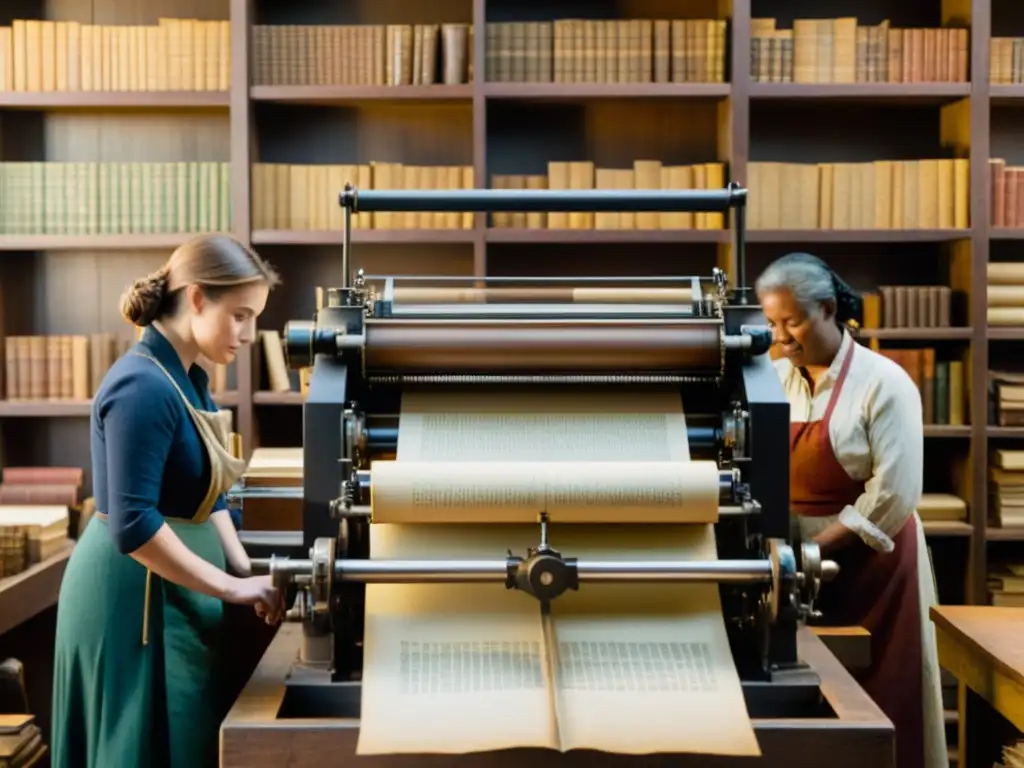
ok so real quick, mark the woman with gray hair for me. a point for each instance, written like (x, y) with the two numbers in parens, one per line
(856, 462)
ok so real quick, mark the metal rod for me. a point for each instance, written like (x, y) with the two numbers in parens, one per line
(346, 246)
(596, 200)
(455, 571)
(266, 492)
(555, 311)
(681, 280)
(740, 297)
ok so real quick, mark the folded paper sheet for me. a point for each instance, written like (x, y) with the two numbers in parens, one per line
(624, 668)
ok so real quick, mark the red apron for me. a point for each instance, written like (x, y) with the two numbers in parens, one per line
(875, 590)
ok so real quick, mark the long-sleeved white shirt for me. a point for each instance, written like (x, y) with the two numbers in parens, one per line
(877, 435)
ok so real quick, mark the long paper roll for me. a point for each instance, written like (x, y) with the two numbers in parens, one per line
(624, 668)
(568, 491)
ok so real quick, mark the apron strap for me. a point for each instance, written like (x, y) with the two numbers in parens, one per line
(840, 380)
(224, 469)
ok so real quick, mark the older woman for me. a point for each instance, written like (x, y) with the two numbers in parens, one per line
(856, 464)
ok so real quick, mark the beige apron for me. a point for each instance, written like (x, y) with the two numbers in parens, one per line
(225, 468)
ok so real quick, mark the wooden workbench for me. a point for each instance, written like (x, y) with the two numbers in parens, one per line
(254, 736)
(28, 618)
(983, 647)
(32, 591)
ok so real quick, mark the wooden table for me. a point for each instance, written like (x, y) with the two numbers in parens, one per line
(983, 647)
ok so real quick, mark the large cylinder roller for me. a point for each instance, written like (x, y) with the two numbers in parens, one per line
(542, 346)
(520, 347)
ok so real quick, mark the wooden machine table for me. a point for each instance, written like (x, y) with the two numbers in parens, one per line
(849, 731)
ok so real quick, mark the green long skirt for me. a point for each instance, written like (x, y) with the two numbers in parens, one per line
(119, 703)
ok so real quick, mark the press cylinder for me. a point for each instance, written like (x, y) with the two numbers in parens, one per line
(542, 346)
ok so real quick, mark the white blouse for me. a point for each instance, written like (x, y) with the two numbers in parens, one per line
(877, 434)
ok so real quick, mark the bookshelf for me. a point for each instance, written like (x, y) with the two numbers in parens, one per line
(490, 116)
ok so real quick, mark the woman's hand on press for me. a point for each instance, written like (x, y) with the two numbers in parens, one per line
(260, 592)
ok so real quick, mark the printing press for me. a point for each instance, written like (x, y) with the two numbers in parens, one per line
(377, 336)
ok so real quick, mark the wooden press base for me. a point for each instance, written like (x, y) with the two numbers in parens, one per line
(856, 733)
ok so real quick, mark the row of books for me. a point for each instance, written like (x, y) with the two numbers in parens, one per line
(305, 197)
(1005, 289)
(942, 507)
(1006, 398)
(392, 54)
(1006, 588)
(645, 174)
(885, 194)
(32, 530)
(21, 738)
(1006, 488)
(278, 467)
(179, 54)
(56, 198)
(908, 306)
(35, 505)
(1006, 60)
(173, 55)
(940, 382)
(607, 51)
(57, 367)
(1007, 193)
(842, 51)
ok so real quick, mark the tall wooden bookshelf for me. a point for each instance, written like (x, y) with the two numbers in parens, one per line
(489, 118)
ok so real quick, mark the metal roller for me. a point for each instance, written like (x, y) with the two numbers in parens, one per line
(542, 346)
(659, 200)
(484, 571)
(541, 294)
(545, 573)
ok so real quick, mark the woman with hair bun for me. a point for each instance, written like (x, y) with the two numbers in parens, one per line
(141, 604)
(856, 464)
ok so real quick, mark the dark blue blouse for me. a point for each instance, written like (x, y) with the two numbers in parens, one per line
(148, 461)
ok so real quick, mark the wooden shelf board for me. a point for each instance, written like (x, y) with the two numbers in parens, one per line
(1006, 233)
(342, 94)
(1004, 534)
(45, 408)
(227, 399)
(947, 528)
(1005, 333)
(994, 431)
(277, 398)
(1006, 94)
(946, 430)
(916, 334)
(35, 589)
(584, 91)
(856, 235)
(156, 100)
(337, 237)
(512, 235)
(106, 242)
(77, 408)
(926, 93)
